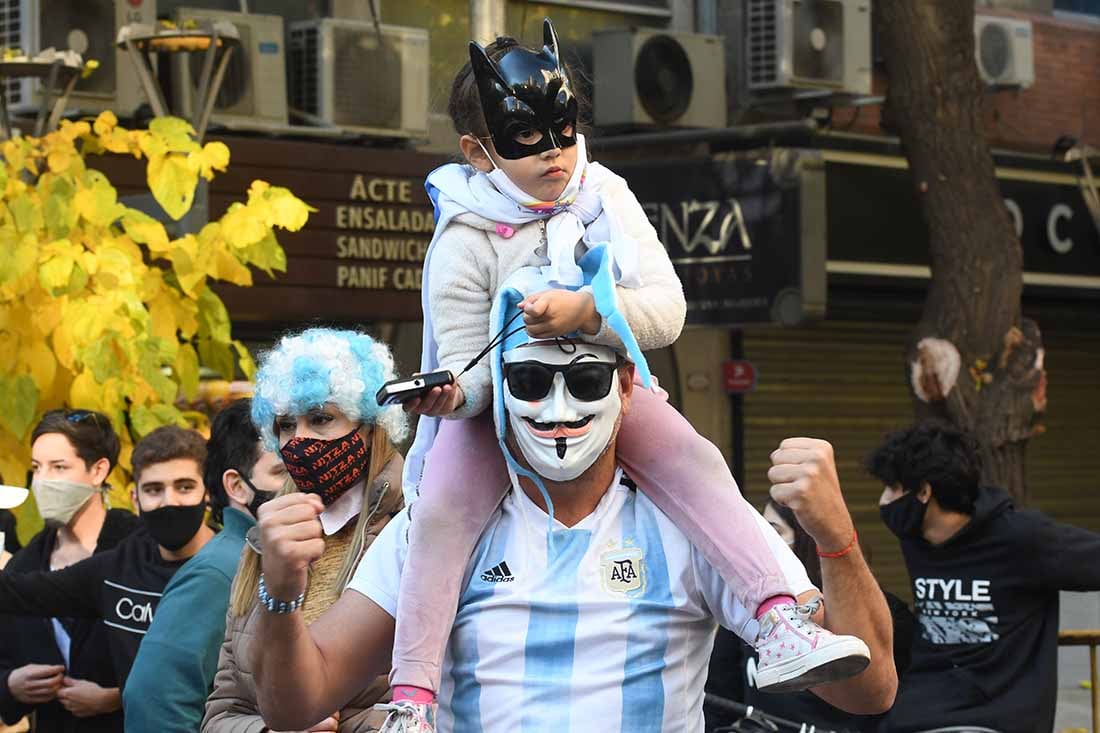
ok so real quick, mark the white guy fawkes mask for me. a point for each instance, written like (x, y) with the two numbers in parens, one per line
(559, 434)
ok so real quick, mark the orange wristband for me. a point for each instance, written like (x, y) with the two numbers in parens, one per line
(842, 553)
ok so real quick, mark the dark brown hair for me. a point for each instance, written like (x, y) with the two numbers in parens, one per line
(167, 444)
(464, 106)
(89, 432)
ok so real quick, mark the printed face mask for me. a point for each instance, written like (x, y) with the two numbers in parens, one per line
(526, 98)
(563, 405)
(59, 500)
(173, 526)
(327, 468)
(904, 516)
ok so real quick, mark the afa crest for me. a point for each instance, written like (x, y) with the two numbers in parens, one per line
(623, 570)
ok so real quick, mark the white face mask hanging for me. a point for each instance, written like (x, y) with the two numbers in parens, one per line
(506, 186)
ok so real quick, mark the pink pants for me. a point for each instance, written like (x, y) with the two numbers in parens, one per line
(684, 474)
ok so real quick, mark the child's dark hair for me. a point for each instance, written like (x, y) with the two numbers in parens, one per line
(935, 452)
(464, 105)
(90, 433)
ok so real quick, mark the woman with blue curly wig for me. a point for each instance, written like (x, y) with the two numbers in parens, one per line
(314, 403)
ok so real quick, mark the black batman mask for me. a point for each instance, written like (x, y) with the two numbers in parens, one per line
(526, 98)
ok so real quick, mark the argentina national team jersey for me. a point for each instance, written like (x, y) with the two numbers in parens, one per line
(612, 631)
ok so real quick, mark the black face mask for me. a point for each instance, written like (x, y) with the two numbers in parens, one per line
(904, 516)
(174, 526)
(259, 498)
(526, 92)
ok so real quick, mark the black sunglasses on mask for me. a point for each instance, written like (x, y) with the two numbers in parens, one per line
(587, 381)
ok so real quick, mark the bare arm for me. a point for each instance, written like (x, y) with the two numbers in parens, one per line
(804, 478)
(304, 673)
(854, 605)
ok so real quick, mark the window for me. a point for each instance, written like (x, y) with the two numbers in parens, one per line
(1085, 7)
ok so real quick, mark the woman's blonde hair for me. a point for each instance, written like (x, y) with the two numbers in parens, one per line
(247, 583)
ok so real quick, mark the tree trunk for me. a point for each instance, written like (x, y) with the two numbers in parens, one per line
(972, 359)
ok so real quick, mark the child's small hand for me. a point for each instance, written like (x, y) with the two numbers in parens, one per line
(440, 401)
(553, 313)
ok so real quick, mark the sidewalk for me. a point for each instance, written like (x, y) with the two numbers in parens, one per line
(1079, 611)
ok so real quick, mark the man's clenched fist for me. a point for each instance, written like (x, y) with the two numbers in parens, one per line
(803, 476)
(291, 537)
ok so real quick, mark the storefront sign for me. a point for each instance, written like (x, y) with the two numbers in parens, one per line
(745, 234)
(875, 219)
(739, 376)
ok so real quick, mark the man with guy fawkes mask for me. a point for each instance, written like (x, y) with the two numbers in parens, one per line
(582, 602)
(121, 587)
(986, 580)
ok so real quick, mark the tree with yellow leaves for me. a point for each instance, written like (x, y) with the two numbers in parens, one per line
(99, 308)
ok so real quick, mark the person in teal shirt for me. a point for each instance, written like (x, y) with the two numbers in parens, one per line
(175, 666)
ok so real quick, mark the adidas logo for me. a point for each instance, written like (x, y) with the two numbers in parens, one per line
(498, 574)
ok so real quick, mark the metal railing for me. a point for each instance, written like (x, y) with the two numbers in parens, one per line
(1091, 639)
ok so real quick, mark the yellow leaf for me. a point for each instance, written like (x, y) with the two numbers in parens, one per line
(70, 131)
(63, 347)
(45, 310)
(187, 367)
(244, 360)
(105, 123)
(287, 210)
(18, 403)
(41, 363)
(59, 160)
(55, 272)
(177, 134)
(243, 225)
(98, 203)
(229, 268)
(172, 183)
(145, 229)
(85, 391)
(213, 157)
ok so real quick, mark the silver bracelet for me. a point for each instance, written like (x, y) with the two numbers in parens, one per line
(274, 605)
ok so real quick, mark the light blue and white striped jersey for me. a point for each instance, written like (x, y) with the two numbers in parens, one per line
(611, 633)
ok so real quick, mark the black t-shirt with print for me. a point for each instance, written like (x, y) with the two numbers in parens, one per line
(121, 587)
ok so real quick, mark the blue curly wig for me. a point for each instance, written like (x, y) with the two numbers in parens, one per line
(325, 365)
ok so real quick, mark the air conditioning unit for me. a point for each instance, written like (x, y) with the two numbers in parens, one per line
(253, 93)
(352, 75)
(647, 77)
(88, 27)
(808, 44)
(1004, 48)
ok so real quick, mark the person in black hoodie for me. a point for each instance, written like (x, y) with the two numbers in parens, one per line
(985, 580)
(58, 668)
(122, 586)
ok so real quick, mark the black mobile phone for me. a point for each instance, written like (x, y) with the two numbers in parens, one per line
(402, 390)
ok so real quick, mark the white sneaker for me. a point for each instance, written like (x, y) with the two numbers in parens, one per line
(408, 717)
(794, 653)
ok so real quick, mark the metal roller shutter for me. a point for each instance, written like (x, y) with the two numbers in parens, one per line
(843, 382)
(1063, 464)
